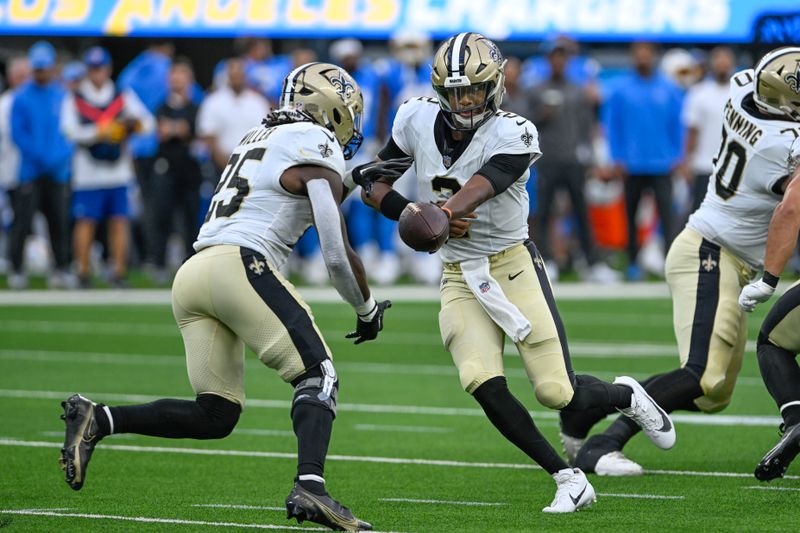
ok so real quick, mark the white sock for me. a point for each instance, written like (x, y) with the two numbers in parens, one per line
(110, 419)
(311, 477)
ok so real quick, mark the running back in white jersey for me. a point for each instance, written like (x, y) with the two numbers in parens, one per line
(757, 155)
(502, 221)
(250, 207)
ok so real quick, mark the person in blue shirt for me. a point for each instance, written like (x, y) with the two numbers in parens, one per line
(642, 122)
(44, 169)
(264, 70)
(147, 75)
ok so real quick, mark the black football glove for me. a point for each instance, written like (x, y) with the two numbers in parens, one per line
(368, 173)
(367, 331)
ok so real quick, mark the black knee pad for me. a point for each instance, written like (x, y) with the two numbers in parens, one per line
(318, 388)
(222, 414)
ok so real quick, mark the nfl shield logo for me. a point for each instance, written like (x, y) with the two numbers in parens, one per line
(447, 161)
(484, 287)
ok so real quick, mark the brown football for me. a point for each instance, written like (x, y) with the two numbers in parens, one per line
(424, 227)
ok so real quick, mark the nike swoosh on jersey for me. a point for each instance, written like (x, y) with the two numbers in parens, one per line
(329, 135)
(512, 278)
(576, 499)
(520, 122)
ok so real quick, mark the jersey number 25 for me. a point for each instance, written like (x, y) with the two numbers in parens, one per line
(226, 203)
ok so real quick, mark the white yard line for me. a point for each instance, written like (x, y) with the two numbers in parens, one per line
(787, 489)
(401, 293)
(693, 419)
(443, 502)
(278, 455)
(153, 520)
(401, 429)
(264, 432)
(640, 496)
(353, 367)
(237, 506)
(347, 458)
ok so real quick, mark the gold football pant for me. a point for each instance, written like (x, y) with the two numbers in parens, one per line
(705, 281)
(476, 343)
(226, 297)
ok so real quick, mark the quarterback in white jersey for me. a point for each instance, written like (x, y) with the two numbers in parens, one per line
(283, 177)
(472, 159)
(718, 253)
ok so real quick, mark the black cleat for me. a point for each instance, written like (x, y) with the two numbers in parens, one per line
(774, 464)
(305, 505)
(82, 434)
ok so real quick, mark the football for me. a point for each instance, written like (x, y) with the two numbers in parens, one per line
(424, 227)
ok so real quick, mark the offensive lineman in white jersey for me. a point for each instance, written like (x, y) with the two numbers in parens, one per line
(715, 256)
(473, 159)
(283, 176)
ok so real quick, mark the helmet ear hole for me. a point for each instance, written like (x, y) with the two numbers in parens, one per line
(337, 117)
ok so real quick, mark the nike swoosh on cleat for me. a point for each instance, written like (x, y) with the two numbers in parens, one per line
(512, 278)
(665, 426)
(576, 499)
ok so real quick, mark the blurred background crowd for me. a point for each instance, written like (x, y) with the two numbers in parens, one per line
(109, 154)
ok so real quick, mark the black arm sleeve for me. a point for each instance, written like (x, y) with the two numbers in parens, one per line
(391, 151)
(502, 170)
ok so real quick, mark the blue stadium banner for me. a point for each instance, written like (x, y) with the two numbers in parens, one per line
(597, 20)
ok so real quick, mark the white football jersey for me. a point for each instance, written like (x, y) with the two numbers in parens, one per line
(502, 221)
(755, 158)
(250, 207)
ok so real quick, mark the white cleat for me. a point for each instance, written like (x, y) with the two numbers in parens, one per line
(572, 445)
(616, 464)
(573, 492)
(653, 420)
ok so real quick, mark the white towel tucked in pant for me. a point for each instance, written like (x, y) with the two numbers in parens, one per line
(493, 300)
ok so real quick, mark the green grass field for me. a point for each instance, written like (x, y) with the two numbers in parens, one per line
(406, 432)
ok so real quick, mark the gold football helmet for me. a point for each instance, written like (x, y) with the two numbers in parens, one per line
(467, 74)
(777, 82)
(330, 97)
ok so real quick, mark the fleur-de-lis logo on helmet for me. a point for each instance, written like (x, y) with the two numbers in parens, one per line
(343, 87)
(793, 79)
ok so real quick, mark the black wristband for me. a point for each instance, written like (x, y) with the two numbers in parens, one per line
(393, 204)
(770, 279)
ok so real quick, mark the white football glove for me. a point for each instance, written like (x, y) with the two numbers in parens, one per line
(755, 293)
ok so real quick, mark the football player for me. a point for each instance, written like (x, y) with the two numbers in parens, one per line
(714, 257)
(779, 338)
(283, 177)
(473, 160)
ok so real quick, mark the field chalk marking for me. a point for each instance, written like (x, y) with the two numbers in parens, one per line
(693, 419)
(443, 502)
(350, 458)
(640, 496)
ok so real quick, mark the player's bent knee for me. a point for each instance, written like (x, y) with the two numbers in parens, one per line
(717, 396)
(553, 394)
(222, 415)
(319, 388)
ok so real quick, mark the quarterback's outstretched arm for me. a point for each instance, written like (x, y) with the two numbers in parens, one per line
(781, 242)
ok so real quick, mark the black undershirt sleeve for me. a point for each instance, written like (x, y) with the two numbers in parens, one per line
(502, 170)
(391, 151)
